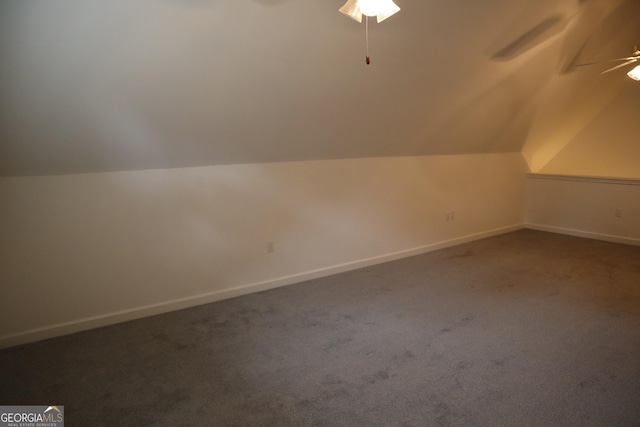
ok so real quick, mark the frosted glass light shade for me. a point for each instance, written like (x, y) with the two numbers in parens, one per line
(382, 9)
(635, 73)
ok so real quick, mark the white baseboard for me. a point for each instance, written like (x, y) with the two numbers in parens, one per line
(93, 322)
(586, 234)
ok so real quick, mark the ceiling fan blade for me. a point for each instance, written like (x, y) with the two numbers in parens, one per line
(596, 22)
(579, 34)
(630, 58)
(621, 65)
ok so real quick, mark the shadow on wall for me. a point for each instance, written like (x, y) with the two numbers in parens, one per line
(498, 120)
(585, 32)
(540, 33)
(503, 116)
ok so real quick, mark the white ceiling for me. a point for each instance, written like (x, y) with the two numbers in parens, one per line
(93, 85)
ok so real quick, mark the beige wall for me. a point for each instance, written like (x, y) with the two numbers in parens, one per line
(605, 209)
(79, 251)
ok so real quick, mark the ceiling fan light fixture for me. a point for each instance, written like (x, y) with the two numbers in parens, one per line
(381, 9)
(635, 73)
(352, 9)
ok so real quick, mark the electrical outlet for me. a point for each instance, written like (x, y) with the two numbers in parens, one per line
(618, 213)
(271, 247)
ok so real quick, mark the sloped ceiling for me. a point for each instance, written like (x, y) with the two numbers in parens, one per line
(93, 85)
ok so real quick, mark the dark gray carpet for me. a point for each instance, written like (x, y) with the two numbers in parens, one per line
(523, 329)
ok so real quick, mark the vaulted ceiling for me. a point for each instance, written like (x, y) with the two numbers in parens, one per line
(98, 85)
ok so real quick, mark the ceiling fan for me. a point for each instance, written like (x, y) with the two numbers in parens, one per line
(635, 57)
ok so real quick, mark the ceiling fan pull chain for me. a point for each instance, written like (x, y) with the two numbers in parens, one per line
(366, 37)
